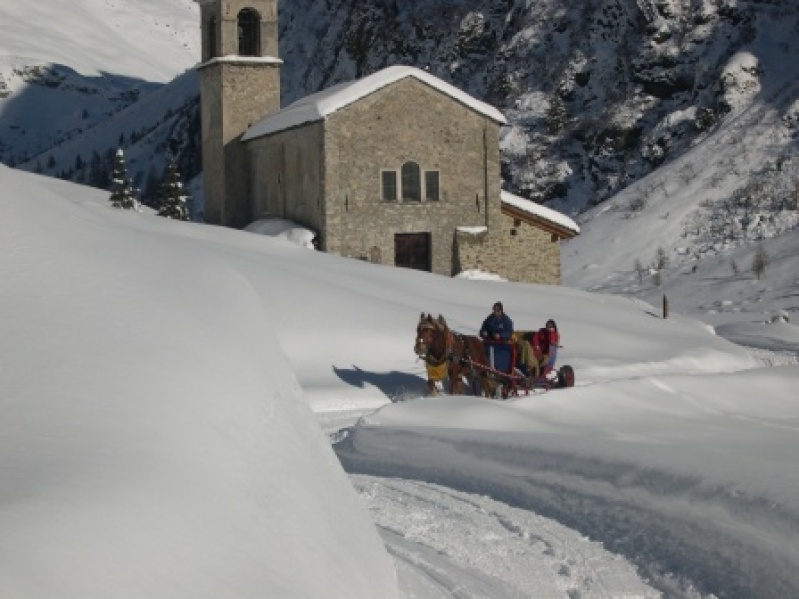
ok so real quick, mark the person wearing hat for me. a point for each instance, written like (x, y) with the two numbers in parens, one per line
(497, 326)
(544, 344)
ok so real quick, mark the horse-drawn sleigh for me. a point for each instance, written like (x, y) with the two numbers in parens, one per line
(488, 367)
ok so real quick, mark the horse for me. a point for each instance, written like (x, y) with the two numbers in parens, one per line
(448, 354)
(433, 343)
(469, 360)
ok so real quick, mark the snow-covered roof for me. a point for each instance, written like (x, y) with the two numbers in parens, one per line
(540, 212)
(467, 230)
(240, 60)
(320, 105)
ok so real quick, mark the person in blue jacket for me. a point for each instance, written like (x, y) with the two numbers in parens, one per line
(497, 326)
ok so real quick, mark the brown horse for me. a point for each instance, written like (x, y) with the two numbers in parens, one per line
(433, 343)
(470, 362)
(451, 355)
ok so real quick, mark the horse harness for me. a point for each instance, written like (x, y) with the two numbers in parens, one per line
(446, 354)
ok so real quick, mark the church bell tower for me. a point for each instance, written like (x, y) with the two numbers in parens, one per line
(239, 85)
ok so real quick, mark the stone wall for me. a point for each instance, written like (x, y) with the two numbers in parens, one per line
(234, 96)
(327, 176)
(469, 250)
(408, 121)
(287, 175)
(514, 250)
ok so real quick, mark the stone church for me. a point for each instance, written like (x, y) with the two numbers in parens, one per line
(398, 168)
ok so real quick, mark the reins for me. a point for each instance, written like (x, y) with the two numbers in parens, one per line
(467, 361)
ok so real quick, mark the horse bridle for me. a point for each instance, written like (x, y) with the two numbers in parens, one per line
(428, 357)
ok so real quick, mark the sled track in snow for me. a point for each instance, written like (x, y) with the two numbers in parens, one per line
(688, 539)
(769, 358)
(450, 544)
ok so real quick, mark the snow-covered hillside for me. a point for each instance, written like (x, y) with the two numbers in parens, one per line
(696, 229)
(156, 443)
(147, 40)
(156, 437)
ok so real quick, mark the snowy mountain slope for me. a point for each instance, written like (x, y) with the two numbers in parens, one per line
(163, 123)
(733, 194)
(595, 99)
(147, 121)
(598, 94)
(29, 125)
(69, 71)
(148, 40)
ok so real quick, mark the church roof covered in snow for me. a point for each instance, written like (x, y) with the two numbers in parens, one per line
(551, 220)
(320, 105)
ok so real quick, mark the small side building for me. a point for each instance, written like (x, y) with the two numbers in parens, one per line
(525, 247)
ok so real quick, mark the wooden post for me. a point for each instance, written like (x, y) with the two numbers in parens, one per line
(665, 306)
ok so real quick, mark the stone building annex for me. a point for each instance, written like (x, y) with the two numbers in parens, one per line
(398, 168)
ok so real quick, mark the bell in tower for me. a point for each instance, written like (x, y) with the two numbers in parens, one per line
(239, 85)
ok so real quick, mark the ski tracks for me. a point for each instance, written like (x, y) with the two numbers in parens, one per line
(768, 358)
(451, 544)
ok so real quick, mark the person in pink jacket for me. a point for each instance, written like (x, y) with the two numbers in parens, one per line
(545, 343)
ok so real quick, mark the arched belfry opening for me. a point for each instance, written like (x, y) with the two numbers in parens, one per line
(249, 28)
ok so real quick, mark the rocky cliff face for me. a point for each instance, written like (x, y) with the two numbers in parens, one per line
(598, 93)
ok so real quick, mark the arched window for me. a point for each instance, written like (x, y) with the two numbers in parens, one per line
(249, 33)
(411, 182)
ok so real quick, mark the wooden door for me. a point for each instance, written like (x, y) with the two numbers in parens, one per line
(412, 250)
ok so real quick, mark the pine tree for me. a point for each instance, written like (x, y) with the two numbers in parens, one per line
(121, 186)
(174, 199)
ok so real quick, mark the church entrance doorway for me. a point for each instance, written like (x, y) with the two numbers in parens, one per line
(412, 250)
